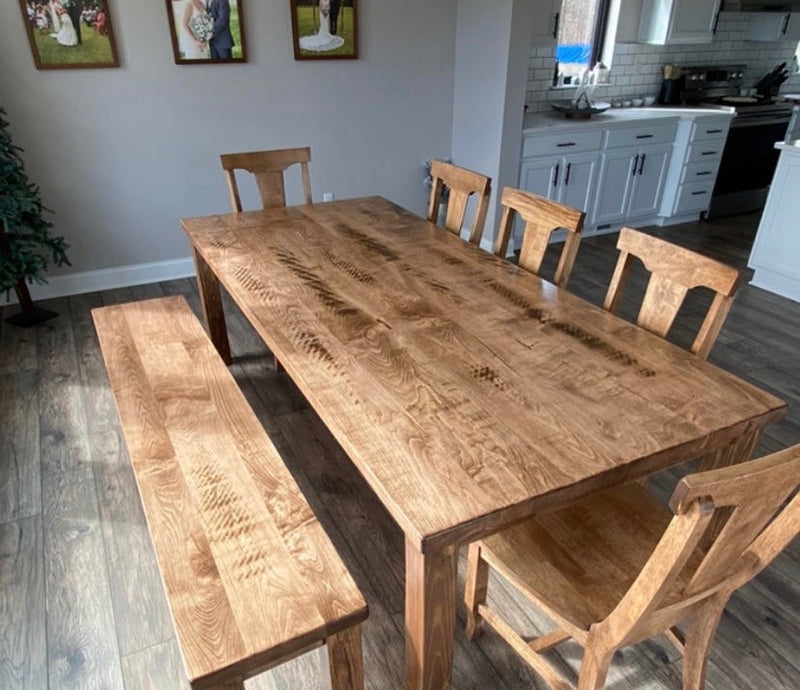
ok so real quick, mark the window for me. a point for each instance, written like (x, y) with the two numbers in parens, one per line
(580, 37)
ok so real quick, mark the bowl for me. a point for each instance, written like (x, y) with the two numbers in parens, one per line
(649, 100)
(571, 112)
(637, 102)
(626, 104)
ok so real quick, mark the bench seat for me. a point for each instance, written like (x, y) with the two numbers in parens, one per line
(251, 577)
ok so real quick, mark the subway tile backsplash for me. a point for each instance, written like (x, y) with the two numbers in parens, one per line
(636, 69)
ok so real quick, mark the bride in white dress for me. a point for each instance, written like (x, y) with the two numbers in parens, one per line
(323, 40)
(66, 36)
(190, 47)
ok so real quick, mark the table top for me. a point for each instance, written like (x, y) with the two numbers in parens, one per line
(467, 391)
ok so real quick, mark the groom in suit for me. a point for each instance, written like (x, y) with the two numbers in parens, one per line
(335, 5)
(221, 41)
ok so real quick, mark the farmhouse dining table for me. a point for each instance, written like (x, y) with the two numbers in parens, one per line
(469, 393)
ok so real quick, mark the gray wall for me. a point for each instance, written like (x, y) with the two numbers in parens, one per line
(122, 154)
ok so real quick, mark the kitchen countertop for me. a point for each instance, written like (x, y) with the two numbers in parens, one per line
(792, 146)
(538, 122)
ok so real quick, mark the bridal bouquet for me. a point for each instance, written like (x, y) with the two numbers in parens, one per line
(202, 26)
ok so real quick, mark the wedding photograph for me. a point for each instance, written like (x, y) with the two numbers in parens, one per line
(325, 29)
(206, 31)
(70, 34)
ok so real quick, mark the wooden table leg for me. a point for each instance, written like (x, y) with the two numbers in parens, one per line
(345, 660)
(739, 450)
(211, 299)
(430, 617)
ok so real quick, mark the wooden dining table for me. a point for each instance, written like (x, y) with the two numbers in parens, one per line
(469, 393)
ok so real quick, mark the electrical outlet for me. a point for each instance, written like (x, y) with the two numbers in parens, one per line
(327, 196)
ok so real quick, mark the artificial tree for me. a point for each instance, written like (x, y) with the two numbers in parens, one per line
(25, 241)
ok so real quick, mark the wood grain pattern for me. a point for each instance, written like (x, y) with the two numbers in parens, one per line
(542, 217)
(468, 392)
(402, 372)
(250, 575)
(674, 271)
(23, 645)
(268, 168)
(461, 184)
(615, 568)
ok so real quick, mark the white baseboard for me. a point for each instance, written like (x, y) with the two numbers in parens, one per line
(108, 279)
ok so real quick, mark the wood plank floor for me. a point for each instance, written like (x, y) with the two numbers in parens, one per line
(81, 604)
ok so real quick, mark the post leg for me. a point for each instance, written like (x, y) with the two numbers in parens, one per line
(475, 590)
(211, 299)
(430, 617)
(345, 660)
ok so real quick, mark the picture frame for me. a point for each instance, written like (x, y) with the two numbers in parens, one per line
(313, 40)
(207, 32)
(70, 34)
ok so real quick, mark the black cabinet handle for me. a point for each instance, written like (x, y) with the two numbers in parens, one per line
(644, 136)
(704, 172)
(708, 153)
(699, 193)
(555, 25)
(786, 24)
(635, 163)
(713, 131)
(555, 177)
(566, 143)
(641, 163)
(566, 176)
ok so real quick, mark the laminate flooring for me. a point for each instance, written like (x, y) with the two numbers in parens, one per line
(81, 602)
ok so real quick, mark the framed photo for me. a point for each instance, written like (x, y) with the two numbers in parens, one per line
(325, 29)
(70, 34)
(206, 31)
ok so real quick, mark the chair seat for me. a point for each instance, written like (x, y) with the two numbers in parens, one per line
(587, 555)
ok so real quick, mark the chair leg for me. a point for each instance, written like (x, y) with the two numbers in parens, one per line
(698, 643)
(345, 659)
(475, 590)
(594, 667)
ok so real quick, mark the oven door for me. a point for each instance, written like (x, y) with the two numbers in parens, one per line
(749, 157)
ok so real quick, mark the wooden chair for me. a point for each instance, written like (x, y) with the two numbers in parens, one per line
(462, 184)
(675, 271)
(617, 568)
(268, 168)
(542, 218)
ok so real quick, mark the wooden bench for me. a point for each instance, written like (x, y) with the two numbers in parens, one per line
(251, 577)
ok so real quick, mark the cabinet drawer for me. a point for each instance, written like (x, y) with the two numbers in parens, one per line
(568, 142)
(705, 151)
(701, 171)
(619, 137)
(694, 196)
(709, 131)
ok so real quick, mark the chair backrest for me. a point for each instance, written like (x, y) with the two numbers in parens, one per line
(461, 183)
(268, 168)
(677, 576)
(542, 218)
(674, 271)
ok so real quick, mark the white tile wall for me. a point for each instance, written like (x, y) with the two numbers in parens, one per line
(636, 69)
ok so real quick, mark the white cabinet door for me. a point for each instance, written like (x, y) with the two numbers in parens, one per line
(678, 21)
(545, 18)
(539, 176)
(693, 21)
(791, 29)
(648, 182)
(613, 189)
(576, 187)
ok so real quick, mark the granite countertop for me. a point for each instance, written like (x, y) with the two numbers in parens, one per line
(537, 122)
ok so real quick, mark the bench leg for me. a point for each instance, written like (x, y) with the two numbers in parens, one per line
(345, 660)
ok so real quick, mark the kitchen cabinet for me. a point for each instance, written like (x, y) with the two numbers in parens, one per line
(672, 22)
(631, 182)
(546, 16)
(777, 243)
(773, 26)
(567, 179)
